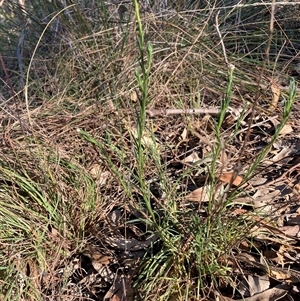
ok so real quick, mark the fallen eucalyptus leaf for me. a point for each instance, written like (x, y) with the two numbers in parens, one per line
(192, 158)
(227, 177)
(287, 129)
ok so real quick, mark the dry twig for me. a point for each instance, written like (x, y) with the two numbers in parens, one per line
(164, 112)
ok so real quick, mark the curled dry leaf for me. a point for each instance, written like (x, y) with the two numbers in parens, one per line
(223, 158)
(147, 139)
(287, 129)
(257, 181)
(283, 153)
(203, 194)
(192, 158)
(98, 174)
(184, 134)
(262, 199)
(227, 178)
(95, 255)
(276, 94)
(54, 233)
(291, 230)
(103, 177)
(95, 170)
(134, 96)
(274, 256)
(199, 195)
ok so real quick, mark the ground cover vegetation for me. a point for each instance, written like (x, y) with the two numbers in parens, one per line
(149, 150)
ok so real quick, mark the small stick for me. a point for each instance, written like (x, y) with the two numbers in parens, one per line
(221, 38)
(166, 112)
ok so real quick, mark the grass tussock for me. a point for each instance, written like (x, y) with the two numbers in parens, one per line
(102, 199)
